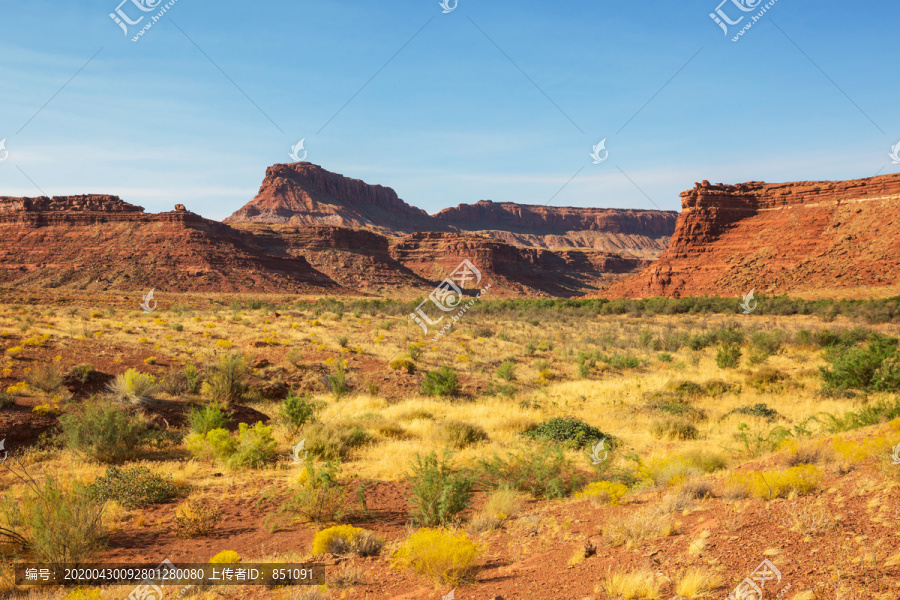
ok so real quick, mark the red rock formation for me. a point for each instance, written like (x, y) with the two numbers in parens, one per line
(306, 194)
(789, 237)
(513, 271)
(303, 194)
(101, 242)
(640, 233)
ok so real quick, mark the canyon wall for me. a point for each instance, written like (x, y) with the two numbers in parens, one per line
(778, 238)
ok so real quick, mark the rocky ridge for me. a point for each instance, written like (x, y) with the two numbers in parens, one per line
(778, 238)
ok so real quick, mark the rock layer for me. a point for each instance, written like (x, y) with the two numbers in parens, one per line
(638, 233)
(777, 238)
(304, 194)
(101, 242)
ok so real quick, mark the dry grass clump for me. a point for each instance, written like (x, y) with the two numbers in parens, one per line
(348, 575)
(442, 556)
(697, 582)
(133, 387)
(194, 518)
(809, 519)
(47, 377)
(501, 506)
(631, 585)
(809, 453)
(459, 434)
(792, 482)
(345, 540)
(643, 524)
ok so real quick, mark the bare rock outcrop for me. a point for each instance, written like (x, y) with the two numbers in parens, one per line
(777, 238)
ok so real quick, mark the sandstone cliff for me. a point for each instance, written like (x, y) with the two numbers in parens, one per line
(637, 233)
(514, 271)
(788, 237)
(306, 194)
(100, 242)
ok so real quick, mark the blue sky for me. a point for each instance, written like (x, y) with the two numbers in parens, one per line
(499, 101)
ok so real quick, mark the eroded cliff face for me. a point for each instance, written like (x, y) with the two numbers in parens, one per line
(636, 233)
(306, 194)
(777, 238)
(512, 270)
(100, 242)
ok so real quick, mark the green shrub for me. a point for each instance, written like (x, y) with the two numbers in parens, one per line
(82, 372)
(174, 383)
(296, 411)
(59, 525)
(861, 368)
(226, 381)
(507, 370)
(338, 382)
(333, 442)
(759, 442)
(105, 432)
(443, 382)
(760, 410)
(204, 419)
(319, 497)
(193, 377)
(132, 386)
(134, 487)
(568, 430)
(438, 493)
(870, 414)
(728, 355)
(47, 377)
(459, 434)
(255, 446)
(214, 445)
(622, 361)
(415, 350)
(6, 401)
(543, 472)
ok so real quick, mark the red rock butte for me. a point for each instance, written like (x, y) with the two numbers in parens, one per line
(778, 238)
(312, 231)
